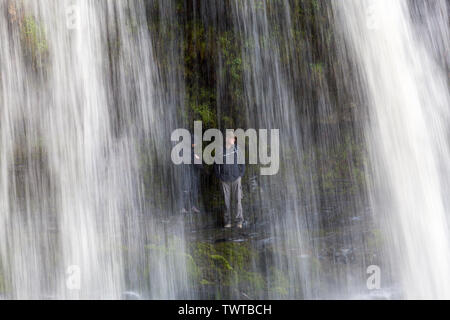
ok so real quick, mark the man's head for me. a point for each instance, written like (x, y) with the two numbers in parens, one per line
(230, 138)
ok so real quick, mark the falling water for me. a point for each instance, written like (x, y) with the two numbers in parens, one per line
(288, 88)
(402, 74)
(270, 96)
(81, 95)
(91, 90)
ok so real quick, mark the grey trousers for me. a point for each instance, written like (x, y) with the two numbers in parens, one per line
(232, 192)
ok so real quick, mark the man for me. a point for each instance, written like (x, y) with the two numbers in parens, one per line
(191, 183)
(230, 174)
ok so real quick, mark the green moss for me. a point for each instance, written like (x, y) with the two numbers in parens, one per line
(228, 264)
(221, 261)
(204, 113)
(204, 282)
(238, 254)
(317, 70)
(34, 40)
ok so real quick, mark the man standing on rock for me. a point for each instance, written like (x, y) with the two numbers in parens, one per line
(230, 173)
(191, 182)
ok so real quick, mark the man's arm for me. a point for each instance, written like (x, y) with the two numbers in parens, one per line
(241, 166)
(241, 170)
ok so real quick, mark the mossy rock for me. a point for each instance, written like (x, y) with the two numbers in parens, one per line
(221, 261)
(228, 265)
(34, 41)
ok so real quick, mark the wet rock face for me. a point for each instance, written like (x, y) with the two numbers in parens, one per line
(321, 180)
(239, 264)
(205, 59)
(227, 267)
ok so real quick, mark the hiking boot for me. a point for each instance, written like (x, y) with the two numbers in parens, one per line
(195, 210)
(228, 226)
(184, 211)
(239, 225)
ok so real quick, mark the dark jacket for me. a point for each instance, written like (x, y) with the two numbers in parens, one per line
(229, 172)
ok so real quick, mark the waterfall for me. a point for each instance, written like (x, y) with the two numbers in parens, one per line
(288, 88)
(92, 207)
(81, 95)
(400, 49)
(271, 101)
